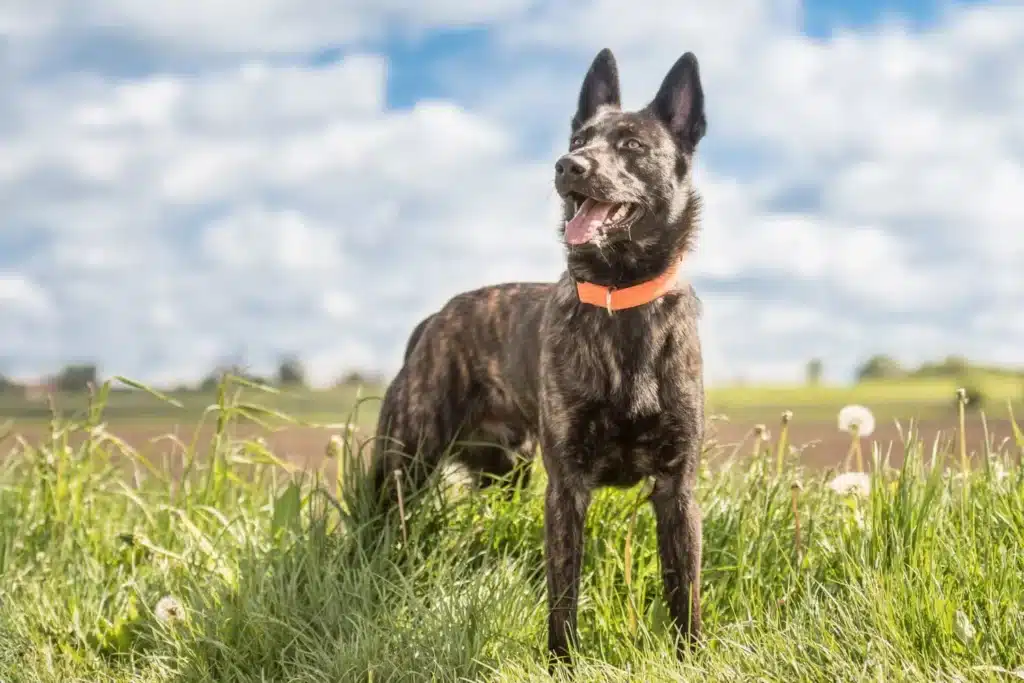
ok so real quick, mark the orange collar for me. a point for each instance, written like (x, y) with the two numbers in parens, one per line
(628, 297)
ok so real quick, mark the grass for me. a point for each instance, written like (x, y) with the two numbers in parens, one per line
(275, 575)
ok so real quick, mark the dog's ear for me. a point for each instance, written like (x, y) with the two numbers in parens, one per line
(680, 102)
(600, 88)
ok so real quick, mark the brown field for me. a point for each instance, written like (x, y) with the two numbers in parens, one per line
(823, 445)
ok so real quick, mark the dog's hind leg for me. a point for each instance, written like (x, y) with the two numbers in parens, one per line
(416, 428)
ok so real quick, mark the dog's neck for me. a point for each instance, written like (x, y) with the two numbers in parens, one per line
(642, 293)
(641, 270)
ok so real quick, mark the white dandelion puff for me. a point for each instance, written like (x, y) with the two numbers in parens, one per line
(856, 417)
(335, 447)
(963, 629)
(851, 483)
(169, 610)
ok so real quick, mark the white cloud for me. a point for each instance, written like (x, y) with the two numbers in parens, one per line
(249, 26)
(320, 222)
(911, 142)
(167, 220)
(19, 293)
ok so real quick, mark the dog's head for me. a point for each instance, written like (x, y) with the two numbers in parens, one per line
(625, 181)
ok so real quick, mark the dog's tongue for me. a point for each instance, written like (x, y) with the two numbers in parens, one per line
(584, 225)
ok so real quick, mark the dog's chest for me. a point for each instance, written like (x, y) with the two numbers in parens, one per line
(613, 449)
(622, 363)
(625, 415)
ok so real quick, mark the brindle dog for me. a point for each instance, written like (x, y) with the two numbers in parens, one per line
(610, 387)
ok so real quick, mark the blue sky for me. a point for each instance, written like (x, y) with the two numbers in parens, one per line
(193, 182)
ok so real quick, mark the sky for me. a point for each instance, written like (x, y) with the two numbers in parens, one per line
(187, 181)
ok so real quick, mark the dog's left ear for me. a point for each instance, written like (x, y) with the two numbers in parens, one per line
(680, 102)
(600, 88)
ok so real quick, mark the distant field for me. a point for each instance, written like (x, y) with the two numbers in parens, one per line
(140, 418)
(888, 399)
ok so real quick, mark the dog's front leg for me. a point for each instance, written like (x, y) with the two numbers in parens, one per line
(565, 511)
(678, 519)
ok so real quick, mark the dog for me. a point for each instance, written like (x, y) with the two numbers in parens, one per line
(602, 369)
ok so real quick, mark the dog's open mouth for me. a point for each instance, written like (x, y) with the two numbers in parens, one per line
(594, 218)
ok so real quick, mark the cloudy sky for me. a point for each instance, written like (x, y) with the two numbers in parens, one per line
(186, 180)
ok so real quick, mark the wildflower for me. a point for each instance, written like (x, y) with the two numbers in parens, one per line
(335, 446)
(963, 629)
(761, 436)
(782, 448)
(856, 418)
(796, 487)
(961, 401)
(858, 421)
(855, 483)
(169, 610)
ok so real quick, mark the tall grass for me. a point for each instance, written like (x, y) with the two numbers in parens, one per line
(268, 574)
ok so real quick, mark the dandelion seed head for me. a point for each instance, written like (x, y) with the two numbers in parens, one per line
(851, 483)
(963, 629)
(787, 415)
(762, 433)
(334, 446)
(169, 610)
(961, 395)
(856, 417)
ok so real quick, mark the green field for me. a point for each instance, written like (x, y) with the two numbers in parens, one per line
(275, 576)
(890, 398)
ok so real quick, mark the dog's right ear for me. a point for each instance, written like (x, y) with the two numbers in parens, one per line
(600, 88)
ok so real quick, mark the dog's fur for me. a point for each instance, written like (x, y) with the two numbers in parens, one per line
(612, 398)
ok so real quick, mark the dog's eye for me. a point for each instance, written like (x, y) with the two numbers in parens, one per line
(633, 143)
(575, 142)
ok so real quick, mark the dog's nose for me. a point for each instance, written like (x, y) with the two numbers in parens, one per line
(571, 166)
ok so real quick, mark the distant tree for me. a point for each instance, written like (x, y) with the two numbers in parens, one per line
(291, 372)
(216, 376)
(357, 378)
(76, 378)
(6, 384)
(351, 379)
(880, 367)
(815, 369)
(210, 382)
(950, 366)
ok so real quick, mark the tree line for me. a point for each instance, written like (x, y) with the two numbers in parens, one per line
(291, 372)
(885, 367)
